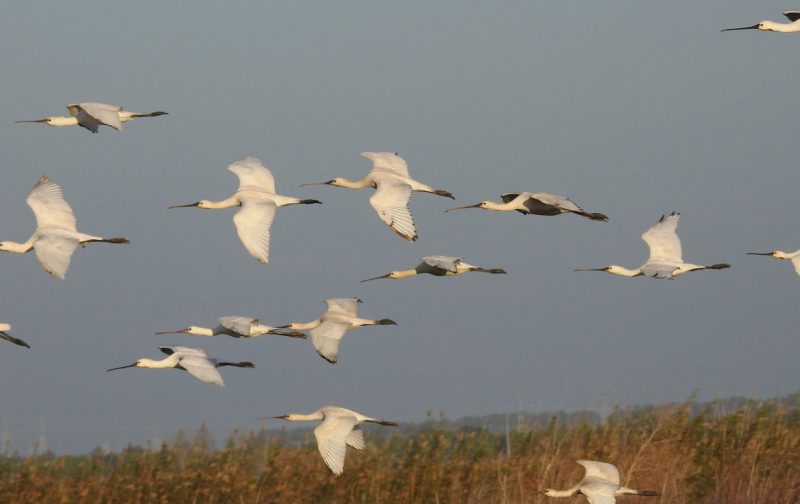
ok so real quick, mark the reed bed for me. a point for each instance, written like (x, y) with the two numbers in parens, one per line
(748, 455)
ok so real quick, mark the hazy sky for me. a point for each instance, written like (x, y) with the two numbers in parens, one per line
(632, 109)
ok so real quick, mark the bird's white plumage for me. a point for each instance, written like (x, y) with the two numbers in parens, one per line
(253, 174)
(447, 263)
(600, 470)
(327, 337)
(90, 115)
(5, 327)
(332, 438)
(387, 162)
(197, 362)
(238, 324)
(796, 263)
(253, 223)
(390, 201)
(46, 199)
(54, 252)
(662, 238)
(348, 306)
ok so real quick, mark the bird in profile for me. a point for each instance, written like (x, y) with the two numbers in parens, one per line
(338, 430)
(328, 330)
(256, 195)
(56, 237)
(393, 187)
(194, 360)
(439, 266)
(4, 328)
(535, 204)
(772, 26)
(600, 485)
(93, 115)
(780, 254)
(236, 327)
(665, 259)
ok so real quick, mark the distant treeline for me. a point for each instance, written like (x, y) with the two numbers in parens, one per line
(732, 451)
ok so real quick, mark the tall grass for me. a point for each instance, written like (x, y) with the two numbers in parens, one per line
(749, 455)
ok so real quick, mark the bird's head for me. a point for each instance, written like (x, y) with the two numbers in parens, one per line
(338, 181)
(188, 330)
(138, 363)
(762, 26)
(50, 121)
(777, 254)
(548, 492)
(198, 204)
(393, 274)
(4, 246)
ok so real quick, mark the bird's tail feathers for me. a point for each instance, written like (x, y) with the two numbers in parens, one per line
(442, 192)
(719, 266)
(596, 216)
(243, 364)
(150, 114)
(494, 271)
(383, 422)
(109, 240)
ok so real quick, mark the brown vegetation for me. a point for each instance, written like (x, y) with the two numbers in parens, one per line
(749, 455)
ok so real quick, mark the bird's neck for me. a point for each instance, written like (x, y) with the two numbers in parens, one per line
(404, 273)
(18, 248)
(299, 417)
(354, 184)
(300, 326)
(787, 255)
(563, 493)
(233, 201)
(782, 27)
(621, 271)
(201, 331)
(169, 362)
(499, 207)
(62, 121)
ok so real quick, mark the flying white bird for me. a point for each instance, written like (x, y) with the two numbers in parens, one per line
(600, 485)
(439, 266)
(4, 328)
(666, 259)
(535, 204)
(389, 176)
(780, 254)
(338, 430)
(794, 26)
(256, 195)
(193, 360)
(56, 237)
(236, 327)
(328, 330)
(92, 115)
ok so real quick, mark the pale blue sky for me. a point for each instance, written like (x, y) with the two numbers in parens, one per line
(632, 110)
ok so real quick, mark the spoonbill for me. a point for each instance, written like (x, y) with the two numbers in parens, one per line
(4, 328)
(772, 26)
(389, 176)
(194, 360)
(55, 238)
(665, 259)
(328, 330)
(600, 485)
(338, 430)
(256, 195)
(439, 266)
(535, 204)
(92, 115)
(780, 254)
(236, 327)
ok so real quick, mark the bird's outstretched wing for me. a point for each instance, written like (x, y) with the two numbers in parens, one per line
(202, 368)
(792, 15)
(51, 210)
(252, 224)
(557, 201)
(387, 162)
(333, 435)
(90, 115)
(662, 238)
(240, 325)
(390, 201)
(599, 492)
(601, 471)
(184, 350)
(54, 253)
(796, 263)
(253, 174)
(446, 263)
(348, 306)
(327, 337)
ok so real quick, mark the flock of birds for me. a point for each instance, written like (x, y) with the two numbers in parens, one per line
(56, 238)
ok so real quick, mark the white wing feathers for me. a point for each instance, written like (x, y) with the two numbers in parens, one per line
(796, 262)
(253, 223)
(662, 238)
(600, 482)
(387, 162)
(333, 435)
(253, 174)
(51, 210)
(600, 470)
(356, 439)
(202, 368)
(54, 253)
(90, 115)
(239, 325)
(446, 263)
(348, 306)
(327, 337)
(390, 201)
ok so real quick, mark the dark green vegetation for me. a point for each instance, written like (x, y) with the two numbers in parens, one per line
(732, 452)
